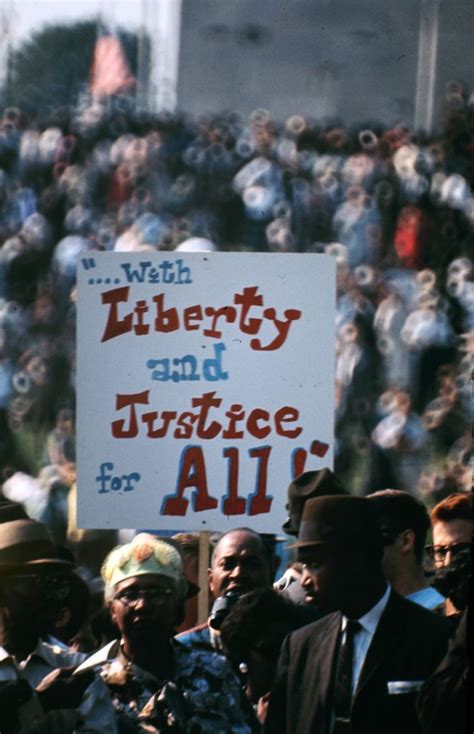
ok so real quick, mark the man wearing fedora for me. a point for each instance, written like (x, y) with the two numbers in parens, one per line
(38, 693)
(304, 487)
(358, 669)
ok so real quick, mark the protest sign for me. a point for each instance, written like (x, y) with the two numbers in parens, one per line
(205, 383)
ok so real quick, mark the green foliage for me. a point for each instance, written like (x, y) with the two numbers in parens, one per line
(52, 67)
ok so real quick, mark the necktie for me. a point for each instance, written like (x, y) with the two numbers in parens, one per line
(343, 681)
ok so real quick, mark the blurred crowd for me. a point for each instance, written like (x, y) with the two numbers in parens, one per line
(394, 207)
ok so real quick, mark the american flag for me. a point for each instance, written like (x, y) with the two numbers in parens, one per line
(110, 72)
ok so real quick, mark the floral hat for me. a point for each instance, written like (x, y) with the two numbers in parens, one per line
(145, 554)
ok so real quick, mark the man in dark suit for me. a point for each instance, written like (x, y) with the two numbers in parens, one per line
(445, 704)
(358, 669)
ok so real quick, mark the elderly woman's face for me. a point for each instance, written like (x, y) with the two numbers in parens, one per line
(145, 606)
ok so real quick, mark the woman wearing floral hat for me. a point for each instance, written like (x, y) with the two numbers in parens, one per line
(158, 685)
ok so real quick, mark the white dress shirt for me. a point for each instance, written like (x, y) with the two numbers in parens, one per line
(364, 636)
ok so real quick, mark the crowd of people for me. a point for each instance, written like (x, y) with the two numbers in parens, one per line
(364, 648)
(88, 629)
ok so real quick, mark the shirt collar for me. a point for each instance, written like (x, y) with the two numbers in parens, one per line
(51, 654)
(370, 619)
(57, 643)
(104, 655)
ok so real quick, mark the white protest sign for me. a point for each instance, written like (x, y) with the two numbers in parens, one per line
(205, 383)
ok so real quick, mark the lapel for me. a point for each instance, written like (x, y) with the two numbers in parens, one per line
(385, 639)
(319, 689)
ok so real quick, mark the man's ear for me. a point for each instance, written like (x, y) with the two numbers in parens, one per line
(210, 581)
(408, 541)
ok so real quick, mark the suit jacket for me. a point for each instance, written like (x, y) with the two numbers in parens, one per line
(408, 644)
(445, 701)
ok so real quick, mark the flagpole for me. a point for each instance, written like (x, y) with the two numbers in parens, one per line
(427, 63)
(203, 598)
(165, 32)
(143, 64)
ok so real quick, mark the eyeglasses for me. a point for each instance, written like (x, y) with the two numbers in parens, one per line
(439, 552)
(152, 594)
